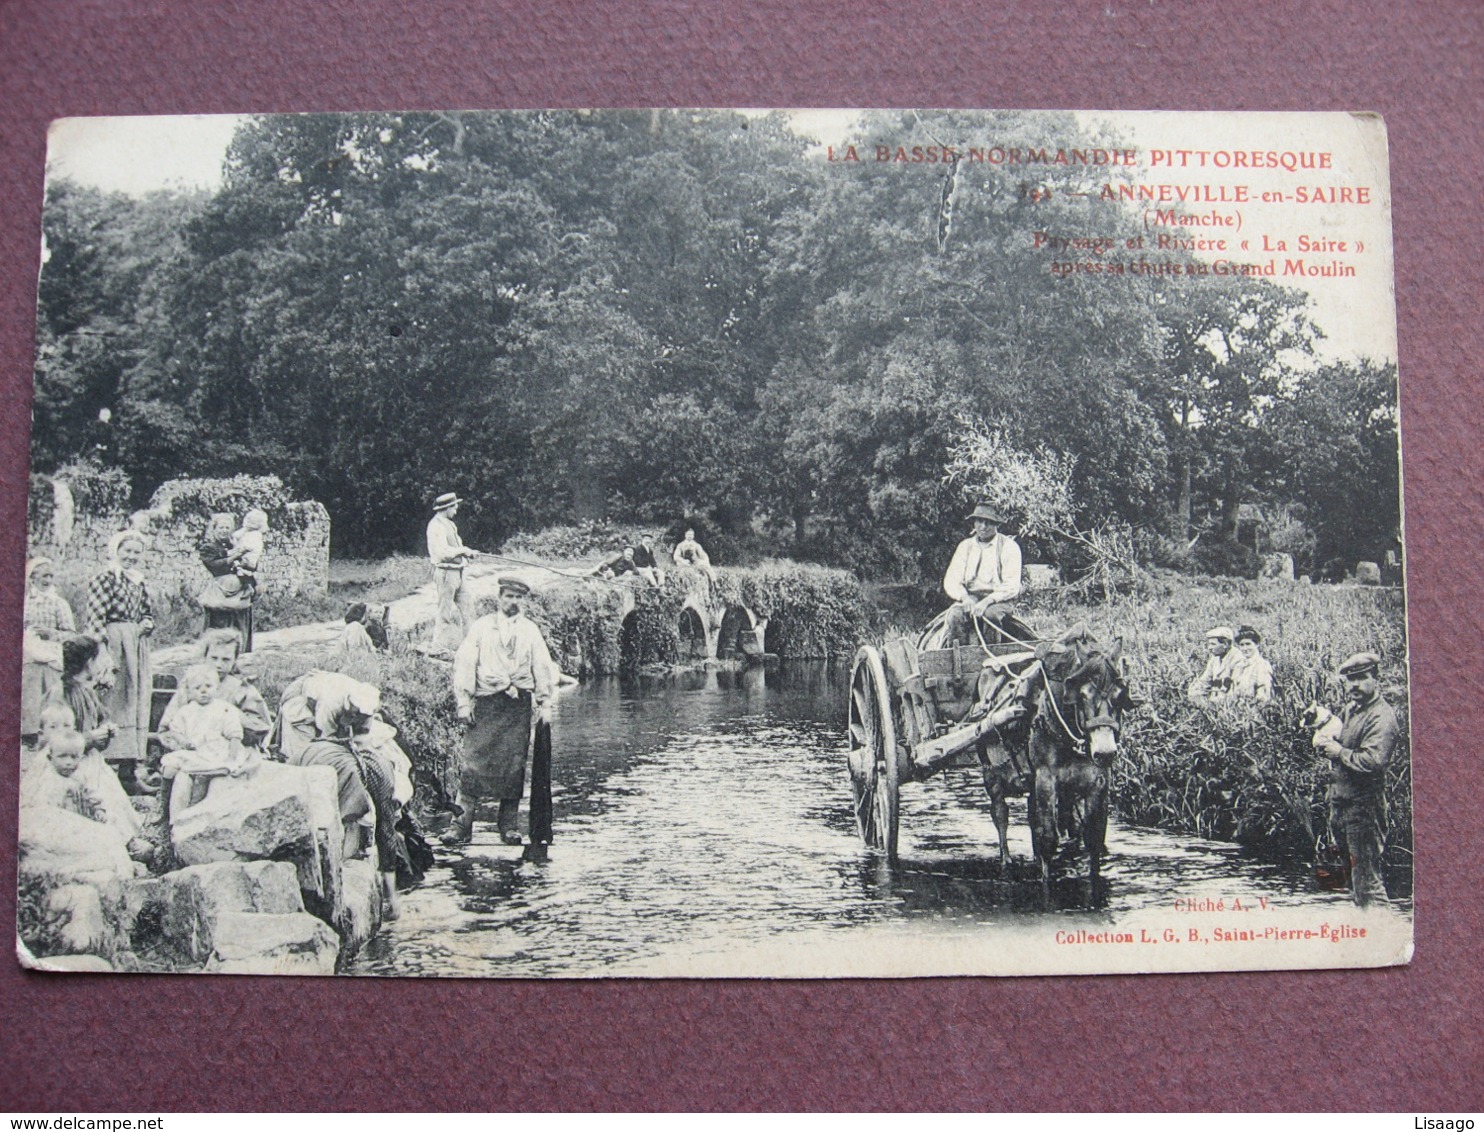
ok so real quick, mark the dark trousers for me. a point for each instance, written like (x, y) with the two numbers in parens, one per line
(960, 624)
(1359, 827)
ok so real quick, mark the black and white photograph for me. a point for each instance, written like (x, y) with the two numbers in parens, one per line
(715, 543)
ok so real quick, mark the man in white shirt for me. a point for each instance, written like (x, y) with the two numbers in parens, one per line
(983, 577)
(1214, 684)
(501, 671)
(449, 556)
(689, 552)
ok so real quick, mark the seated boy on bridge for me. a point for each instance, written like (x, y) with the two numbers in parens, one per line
(983, 577)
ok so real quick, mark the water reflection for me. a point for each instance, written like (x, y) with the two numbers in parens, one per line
(707, 812)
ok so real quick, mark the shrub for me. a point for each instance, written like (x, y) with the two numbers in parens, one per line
(1228, 557)
(237, 495)
(812, 611)
(580, 540)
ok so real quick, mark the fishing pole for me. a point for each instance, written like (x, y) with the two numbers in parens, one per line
(532, 565)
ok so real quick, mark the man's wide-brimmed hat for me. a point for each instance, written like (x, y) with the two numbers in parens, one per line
(446, 500)
(1360, 664)
(988, 512)
(514, 585)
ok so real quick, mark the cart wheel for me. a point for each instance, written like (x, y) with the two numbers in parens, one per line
(874, 777)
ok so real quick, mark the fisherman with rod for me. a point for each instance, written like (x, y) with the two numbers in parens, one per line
(449, 556)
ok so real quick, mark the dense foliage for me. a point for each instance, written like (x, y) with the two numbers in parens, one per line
(648, 316)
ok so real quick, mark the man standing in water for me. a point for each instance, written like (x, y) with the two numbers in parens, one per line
(1357, 789)
(501, 671)
(449, 556)
(983, 576)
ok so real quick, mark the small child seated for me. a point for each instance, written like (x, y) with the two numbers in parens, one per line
(206, 734)
(52, 779)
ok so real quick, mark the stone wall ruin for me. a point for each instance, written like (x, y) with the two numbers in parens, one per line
(73, 525)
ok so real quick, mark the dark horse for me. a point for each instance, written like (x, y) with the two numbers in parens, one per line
(1076, 696)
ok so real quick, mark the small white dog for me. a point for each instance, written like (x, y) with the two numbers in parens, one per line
(1324, 723)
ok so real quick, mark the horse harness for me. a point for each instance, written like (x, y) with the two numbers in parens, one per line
(1078, 734)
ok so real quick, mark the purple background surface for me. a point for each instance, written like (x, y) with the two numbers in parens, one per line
(1404, 1038)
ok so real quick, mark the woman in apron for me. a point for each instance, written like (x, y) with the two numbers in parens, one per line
(120, 619)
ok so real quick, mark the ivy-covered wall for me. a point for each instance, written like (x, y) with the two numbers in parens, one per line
(74, 523)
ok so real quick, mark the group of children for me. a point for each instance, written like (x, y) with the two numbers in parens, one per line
(214, 725)
(217, 725)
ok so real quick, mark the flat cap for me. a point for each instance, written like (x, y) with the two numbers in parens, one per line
(1360, 664)
(514, 585)
(1224, 632)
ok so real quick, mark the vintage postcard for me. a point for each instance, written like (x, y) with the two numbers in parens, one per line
(715, 543)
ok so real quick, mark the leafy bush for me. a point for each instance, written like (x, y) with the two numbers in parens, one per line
(584, 625)
(812, 611)
(580, 540)
(1227, 557)
(96, 490)
(235, 494)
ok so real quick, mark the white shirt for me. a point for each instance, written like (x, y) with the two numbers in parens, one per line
(444, 546)
(984, 571)
(501, 652)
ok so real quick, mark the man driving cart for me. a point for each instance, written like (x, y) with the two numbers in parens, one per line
(982, 579)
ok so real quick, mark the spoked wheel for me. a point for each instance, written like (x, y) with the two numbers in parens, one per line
(874, 773)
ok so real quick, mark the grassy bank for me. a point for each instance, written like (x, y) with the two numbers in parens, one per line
(1243, 772)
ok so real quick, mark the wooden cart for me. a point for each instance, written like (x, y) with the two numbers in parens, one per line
(917, 708)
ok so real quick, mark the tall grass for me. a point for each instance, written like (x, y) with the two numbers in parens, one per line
(1241, 771)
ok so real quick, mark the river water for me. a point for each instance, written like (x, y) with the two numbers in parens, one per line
(703, 826)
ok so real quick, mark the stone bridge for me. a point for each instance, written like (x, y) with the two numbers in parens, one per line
(709, 627)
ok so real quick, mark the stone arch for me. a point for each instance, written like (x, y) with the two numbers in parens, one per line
(629, 644)
(696, 641)
(736, 620)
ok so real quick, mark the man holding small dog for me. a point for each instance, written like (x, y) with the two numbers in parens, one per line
(1358, 761)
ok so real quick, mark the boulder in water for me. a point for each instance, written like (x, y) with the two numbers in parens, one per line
(361, 914)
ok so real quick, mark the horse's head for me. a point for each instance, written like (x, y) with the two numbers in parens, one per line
(1089, 695)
